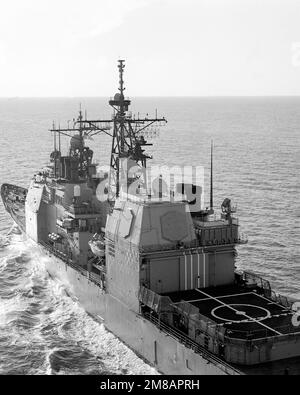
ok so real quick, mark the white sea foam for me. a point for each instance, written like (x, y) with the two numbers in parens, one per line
(74, 324)
(55, 319)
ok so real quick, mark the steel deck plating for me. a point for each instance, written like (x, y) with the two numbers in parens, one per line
(243, 312)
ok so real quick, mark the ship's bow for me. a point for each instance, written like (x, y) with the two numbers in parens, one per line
(13, 198)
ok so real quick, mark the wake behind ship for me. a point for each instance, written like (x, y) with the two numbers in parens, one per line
(154, 265)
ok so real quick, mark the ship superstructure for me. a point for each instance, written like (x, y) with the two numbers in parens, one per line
(160, 275)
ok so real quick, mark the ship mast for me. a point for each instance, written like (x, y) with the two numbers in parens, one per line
(211, 177)
(128, 136)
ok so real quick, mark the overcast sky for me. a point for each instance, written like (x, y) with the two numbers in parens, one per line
(171, 47)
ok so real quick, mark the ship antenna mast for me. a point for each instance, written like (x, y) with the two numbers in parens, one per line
(128, 137)
(211, 177)
(121, 114)
(121, 67)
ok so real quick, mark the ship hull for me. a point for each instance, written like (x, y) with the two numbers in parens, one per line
(165, 353)
(170, 352)
(160, 349)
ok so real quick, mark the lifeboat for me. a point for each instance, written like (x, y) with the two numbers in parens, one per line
(97, 245)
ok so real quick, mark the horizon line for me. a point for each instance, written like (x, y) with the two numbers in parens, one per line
(151, 96)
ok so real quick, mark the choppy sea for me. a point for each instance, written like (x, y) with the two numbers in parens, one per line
(256, 164)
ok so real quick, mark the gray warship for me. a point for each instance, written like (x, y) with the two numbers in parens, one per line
(160, 276)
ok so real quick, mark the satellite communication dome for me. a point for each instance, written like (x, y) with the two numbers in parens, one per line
(75, 142)
(117, 96)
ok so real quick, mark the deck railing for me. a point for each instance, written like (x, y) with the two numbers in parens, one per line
(280, 299)
(195, 244)
(268, 292)
(256, 336)
(253, 278)
(93, 277)
(80, 209)
(187, 342)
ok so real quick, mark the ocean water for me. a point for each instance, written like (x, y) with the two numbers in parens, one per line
(256, 164)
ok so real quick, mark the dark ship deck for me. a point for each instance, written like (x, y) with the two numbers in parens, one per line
(245, 314)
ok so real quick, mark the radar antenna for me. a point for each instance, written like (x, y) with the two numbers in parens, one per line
(211, 177)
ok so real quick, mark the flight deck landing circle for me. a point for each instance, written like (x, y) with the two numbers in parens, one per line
(245, 312)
